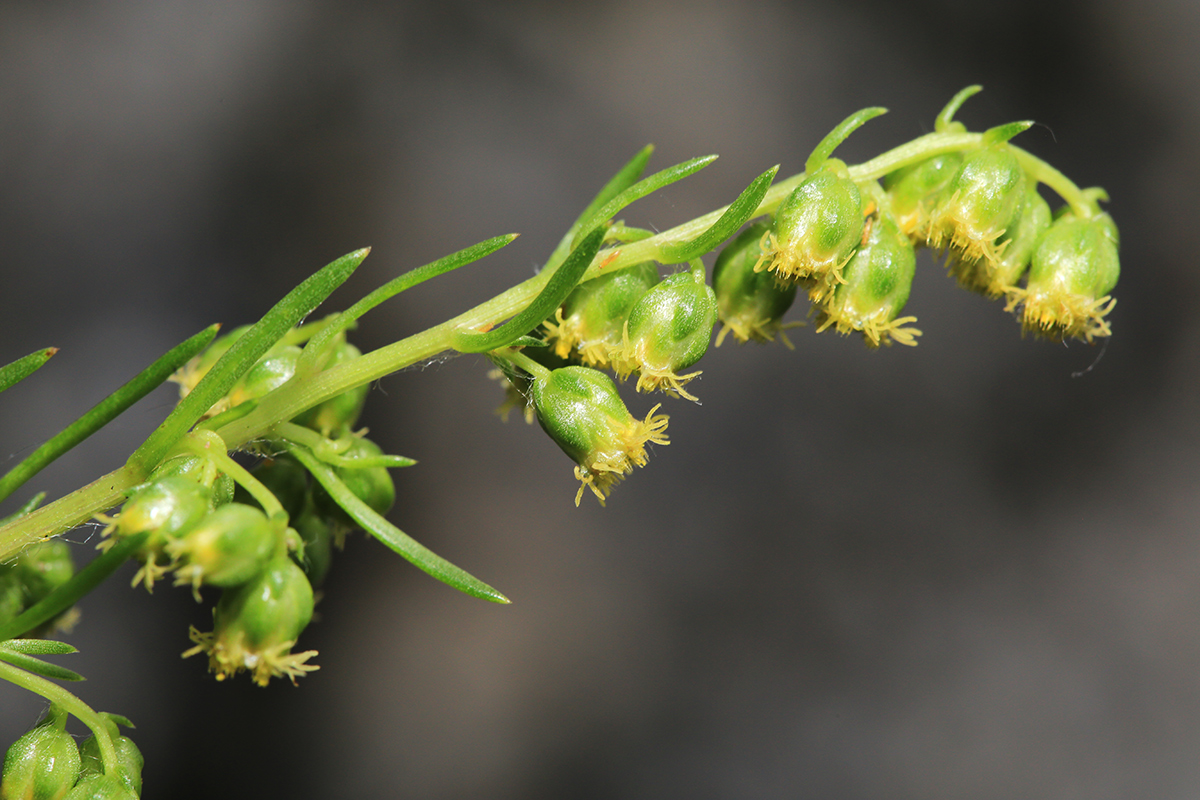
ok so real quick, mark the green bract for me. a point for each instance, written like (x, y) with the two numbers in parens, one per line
(1074, 268)
(256, 624)
(668, 330)
(592, 318)
(877, 282)
(749, 304)
(582, 412)
(815, 231)
(979, 205)
(41, 765)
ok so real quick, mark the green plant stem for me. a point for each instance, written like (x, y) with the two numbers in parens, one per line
(69, 703)
(207, 444)
(301, 395)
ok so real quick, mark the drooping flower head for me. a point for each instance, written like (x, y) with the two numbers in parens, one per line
(582, 412)
(750, 304)
(668, 330)
(1074, 268)
(590, 322)
(877, 283)
(256, 623)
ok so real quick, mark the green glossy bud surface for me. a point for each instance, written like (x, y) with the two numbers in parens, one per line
(229, 547)
(916, 189)
(592, 318)
(41, 765)
(878, 280)
(272, 371)
(1074, 268)
(750, 304)
(668, 330)
(981, 203)
(582, 412)
(815, 231)
(257, 623)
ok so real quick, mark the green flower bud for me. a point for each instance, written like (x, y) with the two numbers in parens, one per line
(272, 371)
(916, 189)
(285, 478)
(668, 330)
(750, 304)
(877, 282)
(129, 760)
(201, 471)
(167, 507)
(372, 485)
(1074, 268)
(593, 316)
(44, 567)
(256, 624)
(816, 230)
(36, 572)
(1014, 250)
(229, 547)
(582, 412)
(43, 764)
(979, 205)
(317, 536)
(102, 787)
(337, 414)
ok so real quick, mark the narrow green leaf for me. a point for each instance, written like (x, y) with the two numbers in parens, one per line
(945, 119)
(69, 593)
(295, 306)
(22, 368)
(625, 177)
(639, 190)
(341, 322)
(37, 666)
(106, 410)
(39, 647)
(739, 211)
(551, 297)
(1002, 133)
(849, 125)
(415, 553)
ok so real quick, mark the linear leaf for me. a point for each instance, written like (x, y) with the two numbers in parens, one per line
(639, 190)
(39, 647)
(625, 177)
(392, 288)
(735, 216)
(22, 368)
(37, 666)
(410, 549)
(242, 355)
(106, 410)
(551, 297)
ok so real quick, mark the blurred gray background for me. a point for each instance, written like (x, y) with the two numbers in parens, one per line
(962, 570)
